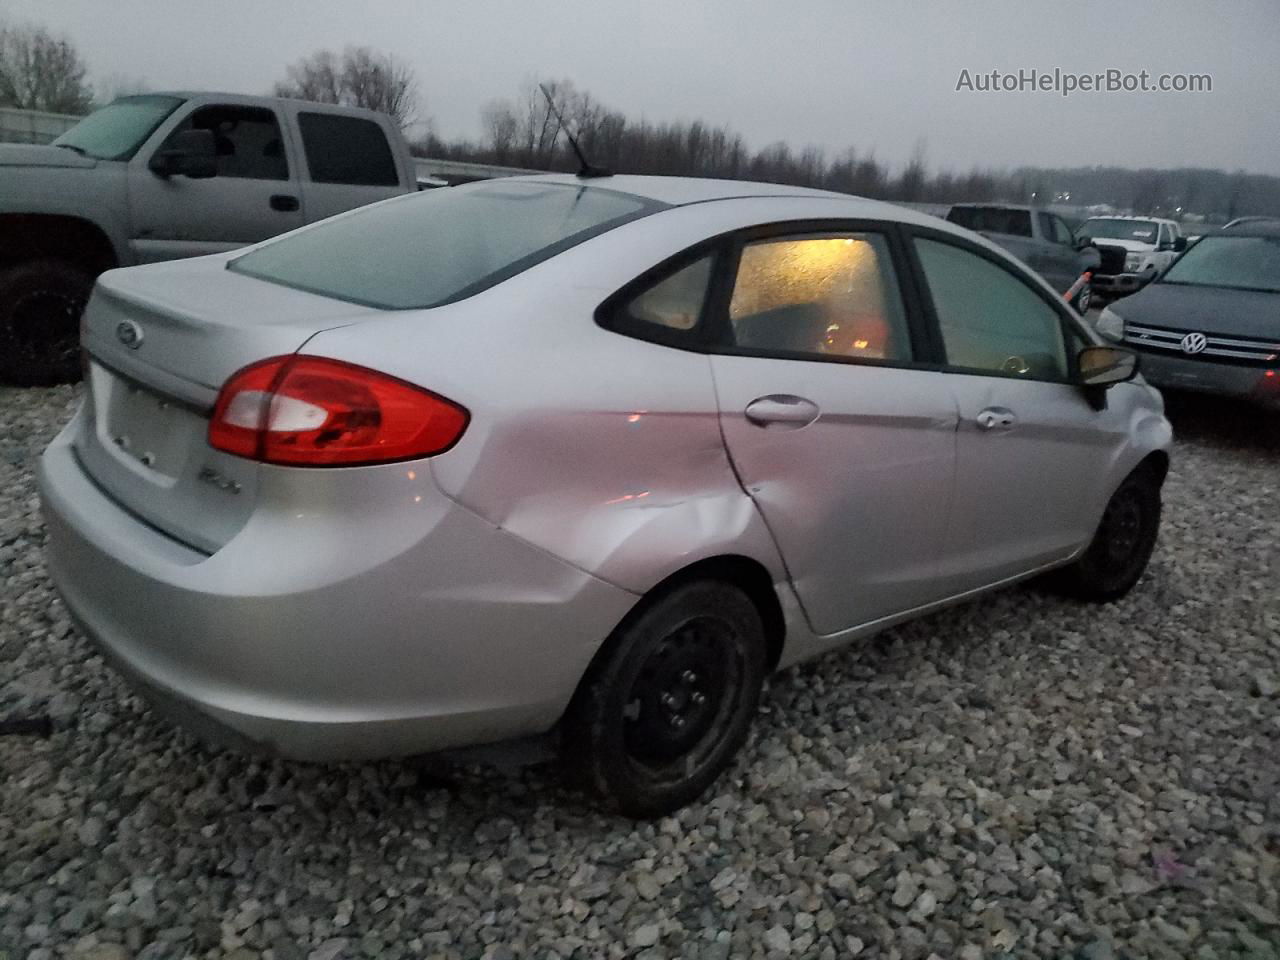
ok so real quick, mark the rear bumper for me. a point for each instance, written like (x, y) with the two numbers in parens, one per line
(330, 635)
(1178, 373)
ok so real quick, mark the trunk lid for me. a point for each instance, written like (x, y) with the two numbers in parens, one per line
(161, 340)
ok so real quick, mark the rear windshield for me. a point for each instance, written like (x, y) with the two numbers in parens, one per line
(433, 248)
(993, 220)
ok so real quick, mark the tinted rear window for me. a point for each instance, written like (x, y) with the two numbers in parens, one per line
(432, 248)
(993, 220)
(347, 150)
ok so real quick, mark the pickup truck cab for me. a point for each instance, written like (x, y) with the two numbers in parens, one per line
(1134, 251)
(1040, 239)
(167, 175)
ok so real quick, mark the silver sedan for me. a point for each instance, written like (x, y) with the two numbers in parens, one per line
(586, 458)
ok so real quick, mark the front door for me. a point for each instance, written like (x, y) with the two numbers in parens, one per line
(254, 196)
(845, 445)
(1030, 447)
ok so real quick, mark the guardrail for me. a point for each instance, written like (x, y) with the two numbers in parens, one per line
(33, 126)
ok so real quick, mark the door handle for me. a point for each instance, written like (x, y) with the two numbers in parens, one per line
(284, 202)
(783, 410)
(996, 418)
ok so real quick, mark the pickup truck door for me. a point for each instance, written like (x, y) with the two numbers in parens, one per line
(349, 163)
(254, 195)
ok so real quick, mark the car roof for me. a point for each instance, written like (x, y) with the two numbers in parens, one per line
(1130, 216)
(998, 206)
(682, 191)
(1253, 228)
(250, 99)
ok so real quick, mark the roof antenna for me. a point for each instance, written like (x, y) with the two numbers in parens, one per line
(586, 171)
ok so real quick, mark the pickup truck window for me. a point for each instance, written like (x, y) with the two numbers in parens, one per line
(1061, 233)
(247, 140)
(429, 249)
(993, 220)
(1110, 228)
(117, 130)
(347, 150)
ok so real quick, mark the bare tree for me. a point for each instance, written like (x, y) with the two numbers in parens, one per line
(501, 127)
(360, 77)
(41, 71)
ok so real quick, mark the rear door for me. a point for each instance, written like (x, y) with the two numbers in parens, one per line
(349, 163)
(255, 194)
(1030, 447)
(843, 439)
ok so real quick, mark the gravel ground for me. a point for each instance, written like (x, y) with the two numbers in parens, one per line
(1018, 777)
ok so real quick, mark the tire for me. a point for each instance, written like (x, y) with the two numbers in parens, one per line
(40, 306)
(668, 700)
(1084, 299)
(1122, 546)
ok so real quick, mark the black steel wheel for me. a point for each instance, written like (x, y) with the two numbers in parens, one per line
(40, 306)
(1122, 546)
(668, 701)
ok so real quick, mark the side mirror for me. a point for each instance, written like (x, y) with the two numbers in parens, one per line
(1104, 366)
(1083, 242)
(191, 153)
(1179, 244)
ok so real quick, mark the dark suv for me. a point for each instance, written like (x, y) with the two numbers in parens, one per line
(1212, 322)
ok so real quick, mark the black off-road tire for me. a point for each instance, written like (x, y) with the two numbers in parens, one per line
(1117, 558)
(40, 306)
(668, 700)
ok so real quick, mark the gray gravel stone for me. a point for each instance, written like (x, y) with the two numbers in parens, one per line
(1020, 776)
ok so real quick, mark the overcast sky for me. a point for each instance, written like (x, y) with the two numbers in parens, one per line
(872, 74)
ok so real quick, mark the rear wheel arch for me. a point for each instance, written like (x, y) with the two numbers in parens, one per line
(1157, 462)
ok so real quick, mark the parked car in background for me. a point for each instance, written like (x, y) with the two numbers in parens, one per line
(361, 490)
(1212, 322)
(1134, 251)
(167, 175)
(1040, 239)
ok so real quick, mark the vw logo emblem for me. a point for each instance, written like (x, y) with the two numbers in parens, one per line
(1194, 343)
(130, 334)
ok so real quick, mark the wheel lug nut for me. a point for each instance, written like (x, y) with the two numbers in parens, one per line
(689, 677)
(698, 697)
(668, 701)
(677, 721)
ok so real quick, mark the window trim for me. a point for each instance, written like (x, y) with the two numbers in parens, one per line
(1068, 321)
(710, 335)
(305, 111)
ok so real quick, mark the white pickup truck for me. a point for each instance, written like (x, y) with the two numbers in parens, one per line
(166, 175)
(1134, 251)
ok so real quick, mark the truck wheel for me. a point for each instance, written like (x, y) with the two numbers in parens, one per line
(1084, 299)
(40, 306)
(1122, 545)
(668, 700)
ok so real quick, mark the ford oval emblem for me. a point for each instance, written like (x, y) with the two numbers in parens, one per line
(129, 333)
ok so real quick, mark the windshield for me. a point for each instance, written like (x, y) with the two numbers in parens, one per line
(1242, 263)
(432, 248)
(1106, 228)
(993, 220)
(117, 130)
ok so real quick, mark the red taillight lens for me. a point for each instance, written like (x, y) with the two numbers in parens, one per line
(310, 411)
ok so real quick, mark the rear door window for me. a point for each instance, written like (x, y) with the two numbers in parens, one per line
(348, 150)
(831, 296)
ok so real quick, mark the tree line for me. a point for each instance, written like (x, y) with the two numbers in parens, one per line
(43, 71)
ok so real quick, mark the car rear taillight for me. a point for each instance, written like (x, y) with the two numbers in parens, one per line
(314, 412)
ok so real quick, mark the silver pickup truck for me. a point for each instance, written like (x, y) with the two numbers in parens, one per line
(1040, 239)
(160, 176)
